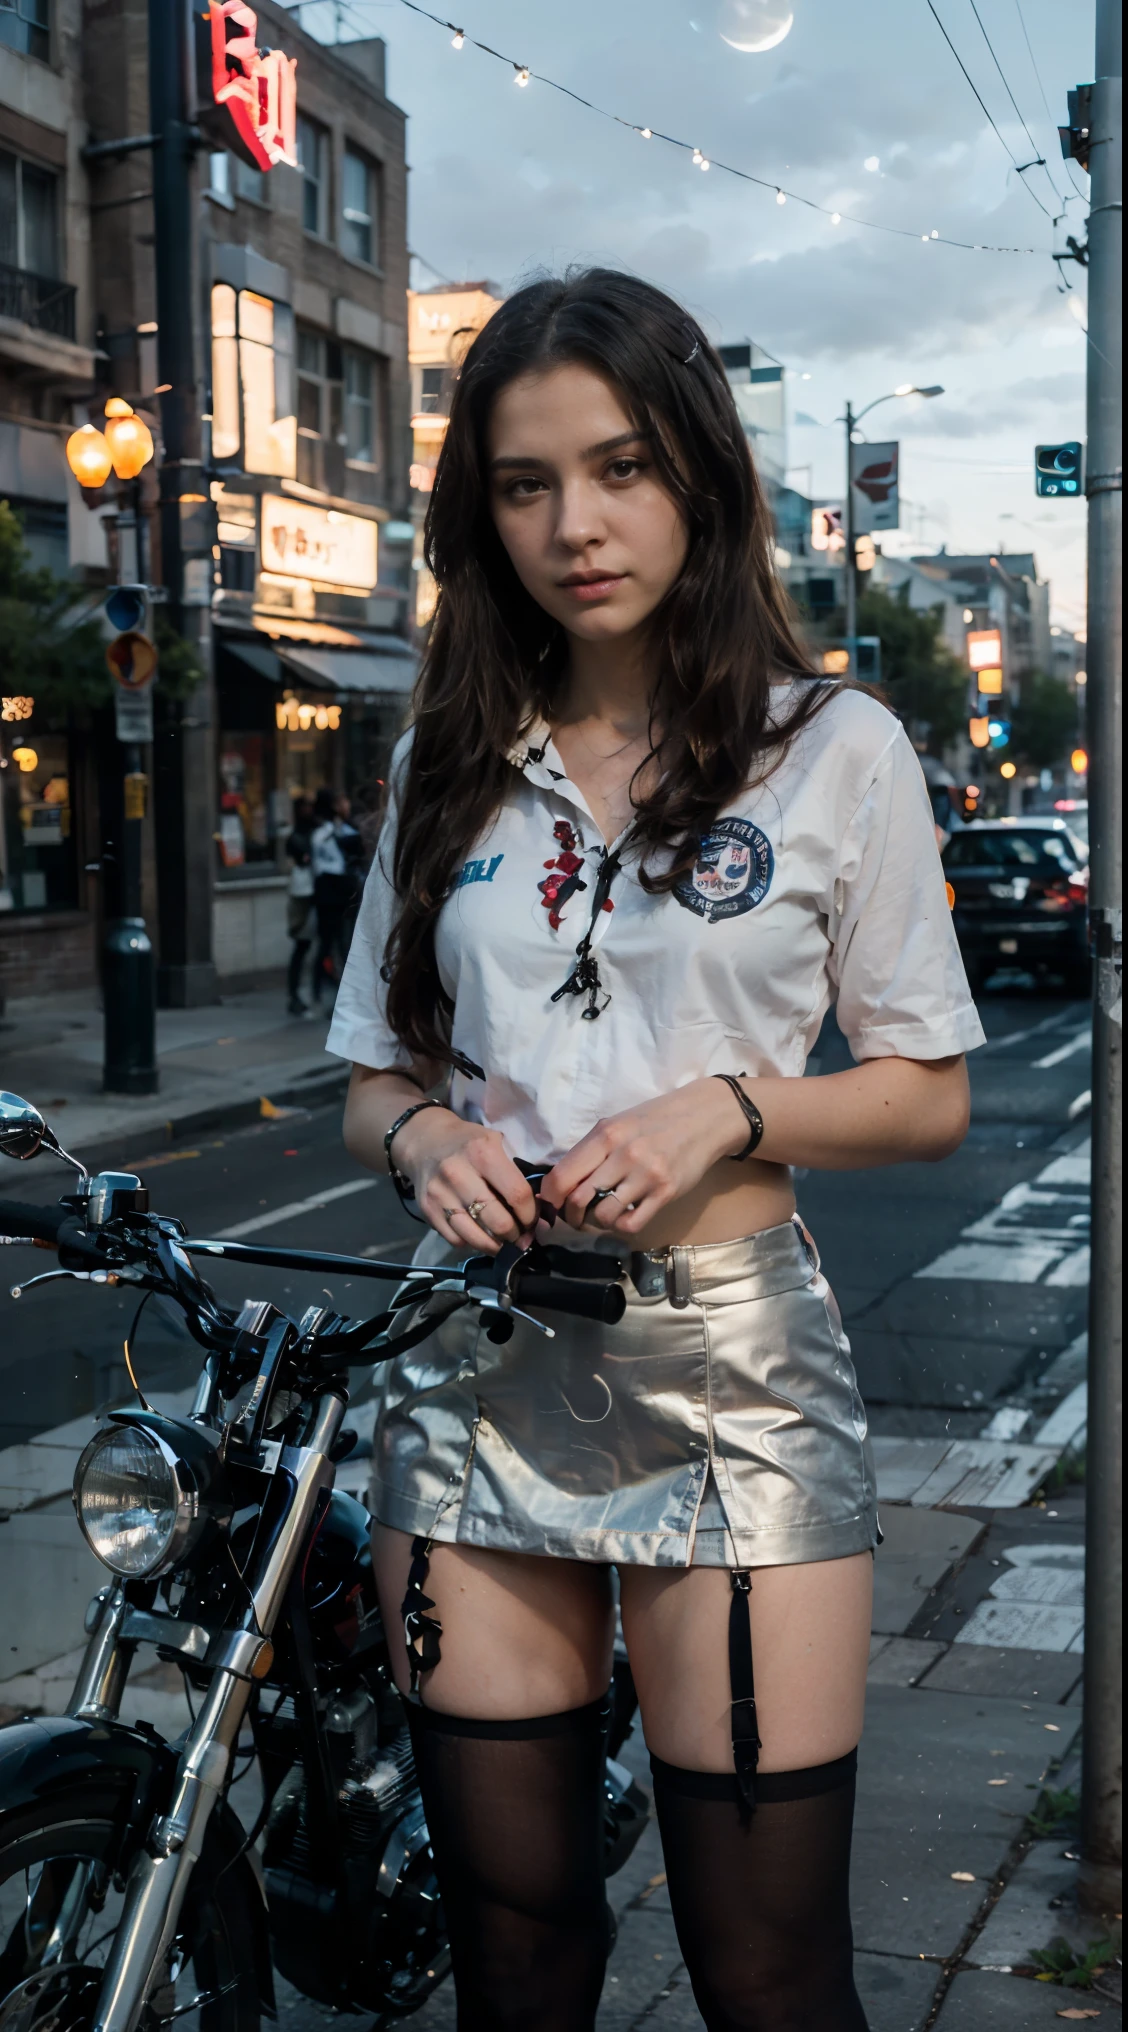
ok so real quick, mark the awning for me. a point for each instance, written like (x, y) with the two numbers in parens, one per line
(256, 656)
(372, 671)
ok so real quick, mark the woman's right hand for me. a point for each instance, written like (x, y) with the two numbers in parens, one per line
(455, 1165)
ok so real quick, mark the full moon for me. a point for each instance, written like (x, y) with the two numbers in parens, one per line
(754, 25)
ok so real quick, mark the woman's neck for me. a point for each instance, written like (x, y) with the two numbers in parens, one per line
(610, 682)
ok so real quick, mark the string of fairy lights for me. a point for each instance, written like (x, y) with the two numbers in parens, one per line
(524, 75)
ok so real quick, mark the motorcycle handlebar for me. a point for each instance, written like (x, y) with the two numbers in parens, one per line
(42, 1223)
(605, 1303)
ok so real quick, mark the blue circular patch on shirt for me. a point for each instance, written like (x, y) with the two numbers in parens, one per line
(732, 872)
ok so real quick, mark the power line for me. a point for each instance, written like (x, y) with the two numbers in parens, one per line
(971, 81)
(524, 75)
(1040, 161)
(1070, 171)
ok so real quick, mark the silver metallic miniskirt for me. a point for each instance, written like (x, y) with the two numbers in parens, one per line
(718, 1424)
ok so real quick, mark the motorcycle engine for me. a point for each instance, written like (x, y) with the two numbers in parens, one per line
(374, 1940)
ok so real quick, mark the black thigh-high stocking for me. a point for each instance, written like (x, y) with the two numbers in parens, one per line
(515, 1814)
(761, 1901)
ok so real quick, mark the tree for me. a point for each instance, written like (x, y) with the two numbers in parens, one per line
(926, 685)
(52, 645)
(49, 647)
(1044, 722)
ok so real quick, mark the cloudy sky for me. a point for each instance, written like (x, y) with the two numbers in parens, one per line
(861, 108)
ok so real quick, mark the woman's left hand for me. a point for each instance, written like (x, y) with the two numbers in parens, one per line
(644, 1158)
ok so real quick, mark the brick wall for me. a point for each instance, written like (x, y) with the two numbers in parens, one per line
(42, 952)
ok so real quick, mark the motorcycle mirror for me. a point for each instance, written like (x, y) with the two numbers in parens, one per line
(24, 1133)
(22, 1128)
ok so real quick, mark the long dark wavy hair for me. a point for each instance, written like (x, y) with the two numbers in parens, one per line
(496, 660)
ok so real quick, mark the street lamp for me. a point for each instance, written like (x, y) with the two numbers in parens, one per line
(125, 447)
(851, 421)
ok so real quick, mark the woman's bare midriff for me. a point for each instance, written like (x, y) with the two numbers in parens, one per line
(728, 1204)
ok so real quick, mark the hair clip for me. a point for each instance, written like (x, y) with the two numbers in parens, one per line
(693, 355)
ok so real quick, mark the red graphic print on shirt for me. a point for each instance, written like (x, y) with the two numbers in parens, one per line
(563, 878)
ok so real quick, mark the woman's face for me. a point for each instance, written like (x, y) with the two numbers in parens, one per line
(593, 533)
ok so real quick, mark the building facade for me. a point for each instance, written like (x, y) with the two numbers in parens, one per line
(297, 536)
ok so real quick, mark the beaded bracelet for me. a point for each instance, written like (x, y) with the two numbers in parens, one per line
(750, 1111)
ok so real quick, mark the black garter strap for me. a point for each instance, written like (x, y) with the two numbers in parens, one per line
(422, 1631)
(745, 1735)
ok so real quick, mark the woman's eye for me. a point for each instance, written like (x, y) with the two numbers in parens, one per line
(523, 486)
(625, 469)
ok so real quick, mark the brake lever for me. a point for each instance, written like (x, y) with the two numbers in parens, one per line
(74, 1276)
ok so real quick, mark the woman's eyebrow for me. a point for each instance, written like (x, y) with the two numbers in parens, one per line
(595, 451)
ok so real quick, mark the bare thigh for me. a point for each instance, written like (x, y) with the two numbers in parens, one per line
(522, 1636)
(810, 1648)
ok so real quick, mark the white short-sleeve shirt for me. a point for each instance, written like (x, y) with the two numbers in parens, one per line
(822, 882)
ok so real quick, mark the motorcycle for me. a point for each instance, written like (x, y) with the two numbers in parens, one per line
(132, 1895)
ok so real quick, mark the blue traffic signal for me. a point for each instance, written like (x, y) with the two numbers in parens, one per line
(1058, 469)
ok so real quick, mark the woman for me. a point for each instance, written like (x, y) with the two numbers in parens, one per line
(634, 850)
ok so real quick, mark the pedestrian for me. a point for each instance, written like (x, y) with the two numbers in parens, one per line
(300, 917)
(333, 845)
(634, 849)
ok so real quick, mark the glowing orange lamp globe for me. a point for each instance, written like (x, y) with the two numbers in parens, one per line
(88, 456)
(129, 439)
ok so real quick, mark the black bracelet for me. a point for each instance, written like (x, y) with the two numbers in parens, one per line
(400, 1180)
(749, 1110)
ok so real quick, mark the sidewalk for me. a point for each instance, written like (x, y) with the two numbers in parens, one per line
(215, 1065)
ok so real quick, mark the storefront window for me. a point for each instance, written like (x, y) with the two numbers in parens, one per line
(38, 868)
(245, 803)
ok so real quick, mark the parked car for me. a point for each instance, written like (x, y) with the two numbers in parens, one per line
(1020, 897)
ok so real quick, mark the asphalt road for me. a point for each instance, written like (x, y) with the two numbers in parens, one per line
(933, 1353)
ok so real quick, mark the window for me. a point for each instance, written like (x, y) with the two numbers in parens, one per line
(321, 435)
(38, 864)
(431, 391)
(253, 416)
(28, 209)
(250, 183)
(313, 156)
(360, 236)
(25, 25)
(219, 177)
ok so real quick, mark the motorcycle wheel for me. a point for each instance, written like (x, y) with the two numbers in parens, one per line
(59, 1905)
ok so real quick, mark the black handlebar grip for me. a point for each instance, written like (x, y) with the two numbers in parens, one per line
(41, 1222)
(603, 1302)
(582, 1263)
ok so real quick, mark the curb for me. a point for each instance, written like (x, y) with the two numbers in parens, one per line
(308, 1090)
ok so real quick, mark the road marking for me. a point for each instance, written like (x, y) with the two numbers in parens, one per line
(1066, 1427)
(1081, 1101)
(1037, 1234)
(294, 1208)
(1035, 1030)
(1064, 1051)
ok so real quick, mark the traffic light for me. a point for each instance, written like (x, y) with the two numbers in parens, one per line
(971, 803)
(1058, 468)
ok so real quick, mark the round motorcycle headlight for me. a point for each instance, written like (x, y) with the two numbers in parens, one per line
(136, 1503)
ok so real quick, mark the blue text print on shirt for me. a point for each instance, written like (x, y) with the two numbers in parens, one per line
(477, 871)
(732, 873)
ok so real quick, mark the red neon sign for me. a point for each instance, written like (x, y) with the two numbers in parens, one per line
(257, 86)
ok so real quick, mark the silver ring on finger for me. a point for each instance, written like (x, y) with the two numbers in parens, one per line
(450, 1211)
(605, 1192)
(476, 1209)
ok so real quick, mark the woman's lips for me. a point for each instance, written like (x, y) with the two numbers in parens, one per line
(587, 590)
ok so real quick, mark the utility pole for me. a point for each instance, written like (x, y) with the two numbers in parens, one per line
(1102, 1771)
(183, 757)
(851, 548)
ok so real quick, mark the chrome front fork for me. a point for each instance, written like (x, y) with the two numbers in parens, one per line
(158, 1880)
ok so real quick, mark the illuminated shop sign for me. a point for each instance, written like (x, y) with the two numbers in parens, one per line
(292, 716)
(18, 707)
(302, 541)
(257, 86)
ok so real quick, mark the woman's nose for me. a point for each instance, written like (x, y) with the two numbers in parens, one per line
(578, 518)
